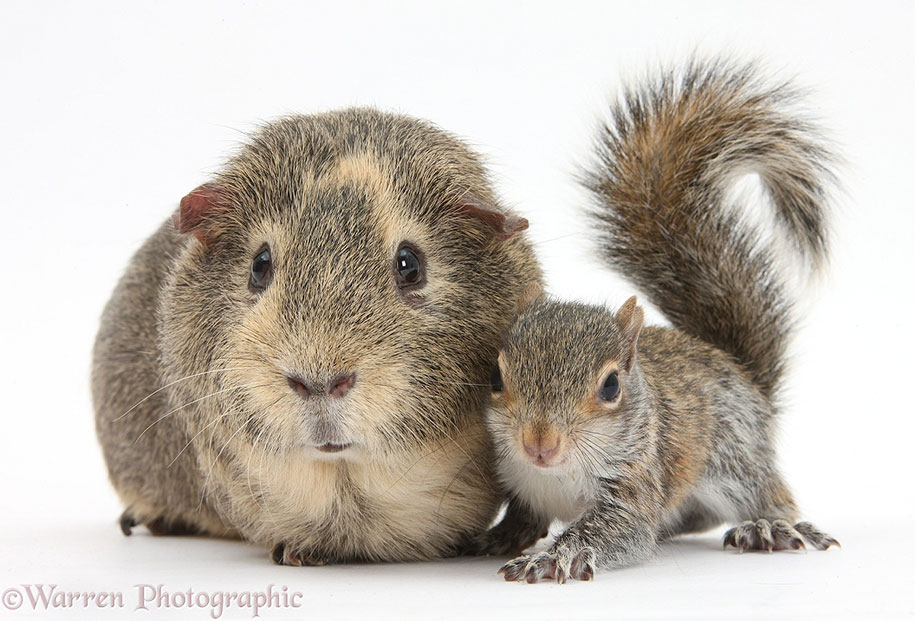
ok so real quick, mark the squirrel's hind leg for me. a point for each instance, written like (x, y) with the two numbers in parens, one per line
(774, 531)
(776, 535)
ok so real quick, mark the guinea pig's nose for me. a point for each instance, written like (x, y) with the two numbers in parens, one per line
(341, 385)
(298, 385)
(336, 388)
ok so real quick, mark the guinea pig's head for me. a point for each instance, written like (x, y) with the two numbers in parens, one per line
(567, 390)
(345, 285)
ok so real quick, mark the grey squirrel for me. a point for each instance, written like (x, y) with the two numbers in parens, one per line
(634, 434)
(301, 356)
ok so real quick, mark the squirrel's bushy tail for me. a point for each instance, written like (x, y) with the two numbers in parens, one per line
(667, 158)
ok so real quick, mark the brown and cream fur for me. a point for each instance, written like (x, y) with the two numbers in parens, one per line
(687, 441)
(195, 413)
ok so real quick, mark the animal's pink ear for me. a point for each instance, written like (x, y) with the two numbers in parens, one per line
(503, 225)
(196, 210)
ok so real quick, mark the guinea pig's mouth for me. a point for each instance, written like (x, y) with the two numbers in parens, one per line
(330, 447)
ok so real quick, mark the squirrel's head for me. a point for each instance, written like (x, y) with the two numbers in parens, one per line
(344, 287)
(567, 388)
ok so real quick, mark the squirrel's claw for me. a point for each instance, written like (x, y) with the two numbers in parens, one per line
(583, 565)
(514, 570)
(776, 535)
(817, 538)
(552, 565)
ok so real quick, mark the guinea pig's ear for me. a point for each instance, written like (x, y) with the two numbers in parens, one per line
(504, 225)
(196, 211)
(629, 319)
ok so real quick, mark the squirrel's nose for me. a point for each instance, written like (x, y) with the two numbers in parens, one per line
(336, 388)
(541, 446)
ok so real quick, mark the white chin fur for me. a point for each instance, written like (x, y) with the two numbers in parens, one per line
(556, 493)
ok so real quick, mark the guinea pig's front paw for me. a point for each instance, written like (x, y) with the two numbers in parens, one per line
(159, 526)
(285, 555)
(555, 564)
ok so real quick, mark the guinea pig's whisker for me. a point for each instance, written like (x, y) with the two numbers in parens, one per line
(261, 504)
(180, 407)
(219, 454)
(130, 354)
(552, 239)
(483, 475)
(260, 475)
(451, 484)
(192, 402)
(447, 383)
(439, 449)
(204, 428)
(170, 384)
(452, 439)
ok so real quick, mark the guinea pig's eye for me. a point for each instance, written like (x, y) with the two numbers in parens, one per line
(610, 391)
(261, 270)
(495, 379)
(409, 271)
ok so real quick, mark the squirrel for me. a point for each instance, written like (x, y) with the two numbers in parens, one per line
(300, 356)
(635, 434)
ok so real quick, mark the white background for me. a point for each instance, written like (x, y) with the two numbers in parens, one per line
(109, 113)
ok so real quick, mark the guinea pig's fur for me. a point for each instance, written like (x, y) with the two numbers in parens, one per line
(199, 426)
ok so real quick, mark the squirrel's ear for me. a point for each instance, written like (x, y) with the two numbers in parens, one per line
(196, 211)
(503, 225)
(629, 318)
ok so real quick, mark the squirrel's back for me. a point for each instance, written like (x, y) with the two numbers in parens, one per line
(666, 159)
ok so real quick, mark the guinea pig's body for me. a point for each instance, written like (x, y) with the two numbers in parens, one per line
(303, 361)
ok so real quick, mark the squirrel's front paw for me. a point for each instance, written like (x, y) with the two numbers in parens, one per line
(285, 555)
(777, 535)
(553, 564)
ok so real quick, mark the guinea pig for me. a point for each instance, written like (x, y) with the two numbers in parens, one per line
(300, 356)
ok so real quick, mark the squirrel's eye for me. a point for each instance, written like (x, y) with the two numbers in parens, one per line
(408, 269)
(495, 379)
(261, 270)
(611, 388)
